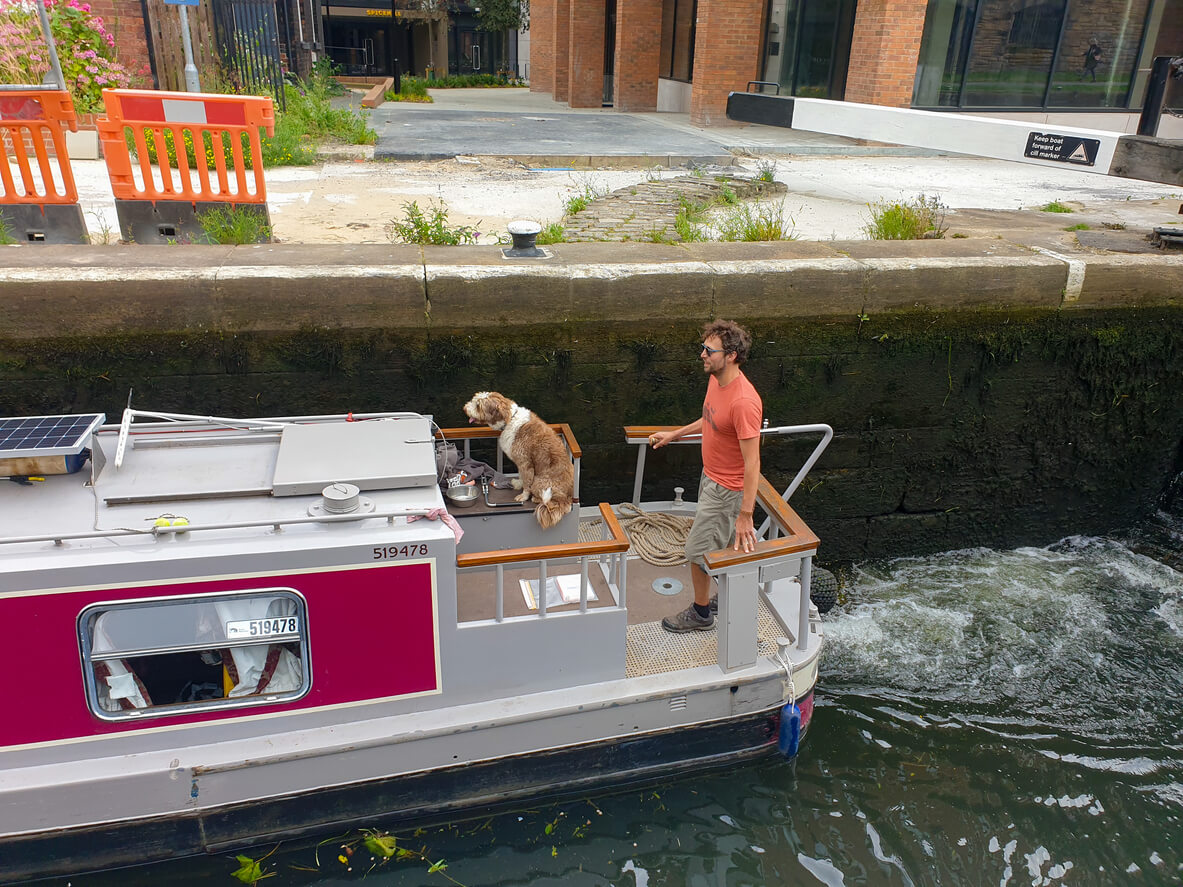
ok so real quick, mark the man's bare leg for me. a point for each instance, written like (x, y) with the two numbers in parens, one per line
(702, 585)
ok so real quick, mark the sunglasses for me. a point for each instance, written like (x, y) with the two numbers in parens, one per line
(703, 348)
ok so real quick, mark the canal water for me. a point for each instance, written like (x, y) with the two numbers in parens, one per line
(985, 718)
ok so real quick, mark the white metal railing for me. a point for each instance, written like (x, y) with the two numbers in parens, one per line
(610, 555)
(641, 441)
(613, 568)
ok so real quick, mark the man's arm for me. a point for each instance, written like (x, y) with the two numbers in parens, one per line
(661, 438)
(745, 527)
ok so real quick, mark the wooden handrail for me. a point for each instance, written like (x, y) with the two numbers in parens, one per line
(618, 543)
(482, 432)
(635, 434)
(799, 537)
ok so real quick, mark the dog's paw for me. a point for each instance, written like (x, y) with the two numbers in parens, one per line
(516, 483)
(522, 496)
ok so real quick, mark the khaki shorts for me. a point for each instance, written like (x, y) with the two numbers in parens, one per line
(714, 520)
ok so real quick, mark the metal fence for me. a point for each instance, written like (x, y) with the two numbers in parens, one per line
(248, 43)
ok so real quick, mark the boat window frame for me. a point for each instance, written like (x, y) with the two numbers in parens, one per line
(90, 613)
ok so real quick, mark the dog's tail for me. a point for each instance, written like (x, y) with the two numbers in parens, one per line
(551, 509)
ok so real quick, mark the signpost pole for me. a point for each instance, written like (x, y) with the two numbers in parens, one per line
(55, 66)
(192, 84)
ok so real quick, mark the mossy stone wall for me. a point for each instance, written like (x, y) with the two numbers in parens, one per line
(996, 426)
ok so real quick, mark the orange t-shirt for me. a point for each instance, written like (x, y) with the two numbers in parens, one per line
(730, 414)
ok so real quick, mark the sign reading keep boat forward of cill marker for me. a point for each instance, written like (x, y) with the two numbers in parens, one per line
(1062, 148)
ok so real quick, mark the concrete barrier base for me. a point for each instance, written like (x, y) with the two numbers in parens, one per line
(178, 221)
(48, 223)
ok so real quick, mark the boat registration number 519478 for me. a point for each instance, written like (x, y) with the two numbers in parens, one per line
(262, 628)
(384, 552)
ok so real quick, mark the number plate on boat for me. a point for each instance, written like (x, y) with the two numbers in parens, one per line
(262, 628)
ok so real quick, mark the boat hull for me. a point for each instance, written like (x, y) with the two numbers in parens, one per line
(389, 801)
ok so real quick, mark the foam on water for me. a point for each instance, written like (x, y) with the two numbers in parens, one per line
(1084, 635)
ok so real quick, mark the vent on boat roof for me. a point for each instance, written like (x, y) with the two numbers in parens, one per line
(36, 436)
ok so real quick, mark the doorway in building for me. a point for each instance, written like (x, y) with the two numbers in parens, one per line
(609, 52)
(367, 46)
(807, 46)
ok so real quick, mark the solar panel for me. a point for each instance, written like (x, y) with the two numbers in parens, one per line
(33, 436)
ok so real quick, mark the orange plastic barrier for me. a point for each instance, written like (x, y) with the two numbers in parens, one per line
(27, 117)
(139, 111)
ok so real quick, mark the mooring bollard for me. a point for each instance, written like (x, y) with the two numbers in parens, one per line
(524, 234)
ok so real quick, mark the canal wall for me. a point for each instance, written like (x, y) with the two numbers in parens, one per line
(981, 393)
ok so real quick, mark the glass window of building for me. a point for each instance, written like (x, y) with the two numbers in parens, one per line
(677, 39)
(807, 46)
(1030, 54)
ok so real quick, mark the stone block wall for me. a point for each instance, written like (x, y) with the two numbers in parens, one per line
(972, 404)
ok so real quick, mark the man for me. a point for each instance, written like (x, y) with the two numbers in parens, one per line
(730, 427)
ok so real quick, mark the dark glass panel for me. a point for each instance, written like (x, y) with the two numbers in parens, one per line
(1013, 48)
(944, 48)
(1098, 55)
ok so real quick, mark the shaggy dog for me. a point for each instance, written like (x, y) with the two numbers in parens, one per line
(544, 465)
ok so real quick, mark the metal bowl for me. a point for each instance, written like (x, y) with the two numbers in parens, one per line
(462, 496)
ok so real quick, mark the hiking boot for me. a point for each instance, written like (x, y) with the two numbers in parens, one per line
(714, 604)
(688, 620)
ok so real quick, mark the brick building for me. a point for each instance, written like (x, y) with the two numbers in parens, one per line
(1069, 61)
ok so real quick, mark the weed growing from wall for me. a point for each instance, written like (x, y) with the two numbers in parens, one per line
(922, 218)
(429, 227)
(764, 222)
(234, 225)
(6, 238)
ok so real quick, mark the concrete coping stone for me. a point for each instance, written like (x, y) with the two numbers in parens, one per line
(48, 291)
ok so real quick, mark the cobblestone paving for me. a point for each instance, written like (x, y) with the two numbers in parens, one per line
(647, 211)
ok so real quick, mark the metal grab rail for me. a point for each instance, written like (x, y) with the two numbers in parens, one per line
(615, 549)
(640, 434)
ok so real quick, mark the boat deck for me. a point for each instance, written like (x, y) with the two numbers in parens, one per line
(650, 649)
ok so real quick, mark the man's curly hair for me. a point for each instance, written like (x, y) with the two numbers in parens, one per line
(733, 336)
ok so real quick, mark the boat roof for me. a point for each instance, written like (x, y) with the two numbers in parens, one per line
(211, 470)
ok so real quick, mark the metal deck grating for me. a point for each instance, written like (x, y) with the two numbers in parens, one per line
(650, 649)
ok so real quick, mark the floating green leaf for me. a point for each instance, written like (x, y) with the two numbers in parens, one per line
(249, 870)
(381, 845)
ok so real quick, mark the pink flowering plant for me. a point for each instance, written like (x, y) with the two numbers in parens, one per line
(86, 50)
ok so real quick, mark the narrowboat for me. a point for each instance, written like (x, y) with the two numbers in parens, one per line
(228, 631)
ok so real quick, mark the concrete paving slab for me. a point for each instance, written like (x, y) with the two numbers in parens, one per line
(435, 134)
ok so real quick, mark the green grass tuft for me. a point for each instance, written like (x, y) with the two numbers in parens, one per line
(921, 218)
(765, 222)
(550, 233)
(430, 227)
(1055, 207)
(234, 225)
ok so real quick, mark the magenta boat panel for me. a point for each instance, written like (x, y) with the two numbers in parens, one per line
(373, 632)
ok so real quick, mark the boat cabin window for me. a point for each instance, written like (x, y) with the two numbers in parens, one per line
(175, 655)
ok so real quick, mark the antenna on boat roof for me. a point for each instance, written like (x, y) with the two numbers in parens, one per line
(124, 428)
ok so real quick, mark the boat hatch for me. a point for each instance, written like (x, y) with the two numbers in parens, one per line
(377, 455)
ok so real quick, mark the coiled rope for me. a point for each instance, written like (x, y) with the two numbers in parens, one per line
(658, 539)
